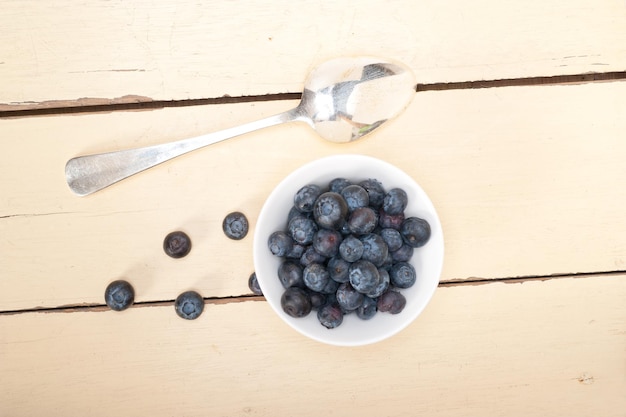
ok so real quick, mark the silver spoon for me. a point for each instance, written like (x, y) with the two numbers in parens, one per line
(343, 100)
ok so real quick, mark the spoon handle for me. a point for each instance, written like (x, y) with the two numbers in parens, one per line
(91, 173)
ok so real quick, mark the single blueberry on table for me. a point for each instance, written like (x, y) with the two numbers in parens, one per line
(189, 305)
(367, 309)
(235, 225)
(392, 238)
(364, 276)
(351, 249)
(374, 249)
(310, 256)
(375, 191)
(348, 298)
(290, 274)
(316, 277)
(330, 210)
(415, 231)
(390, 221)
(306, 196)
(382, 286)
(355, 196)
(330, 315)
(280, 243)
(302, 230)
(253, 284)
(177, 244)
(326, 242)
(338, 269)
(338, 184)
(395, 201)
(392, 302)
(362, 220)
(403, 254)
(296, 302)
(119, 295)
(402, 275)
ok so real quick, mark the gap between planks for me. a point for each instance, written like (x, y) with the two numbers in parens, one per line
(130, 102)
(86, 307)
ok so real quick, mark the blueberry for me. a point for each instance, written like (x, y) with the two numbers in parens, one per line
(119, 295)
(403, 254)
(374, 249)
(280, 243)
(391, 221)
(355, 197)
(375, 191)
(388, 262)
(296, 302)
(296, 251)
(330, 287)
(302, 229)
(235, 225)
(395, 201)
(310, 255)
(290, 274)
(326, 242)
(382, 286)
(330, 210)
(189, 305)
(253, 284)
(402, 275)
(338, 269)
(415, 231)
(317, 299)
(367, 309)
(351, 249)
(305, 197)
(316, 277)
(392, 238)
(177, 244)
(294, 212)
(392, 302)
(338, 184)
(330, 315)
(363, 220)
(348, 298)
(364, 276)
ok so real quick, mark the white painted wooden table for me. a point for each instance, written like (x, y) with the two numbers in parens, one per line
(527, 175)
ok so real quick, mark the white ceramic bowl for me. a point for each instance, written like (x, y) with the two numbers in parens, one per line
(427, 260)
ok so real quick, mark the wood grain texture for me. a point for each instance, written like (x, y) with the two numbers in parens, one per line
(527, 181)
(143, 50)
(532, 349)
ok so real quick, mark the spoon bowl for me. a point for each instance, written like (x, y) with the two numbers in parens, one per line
(344, 99)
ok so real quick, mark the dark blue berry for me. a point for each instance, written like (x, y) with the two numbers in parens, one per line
(294, 212)
(310, 256)
(374, 249)
(253, 284)
(235, 225)
(367, 309)
(355, 197)
(392, 238)
(415, 231)
(317, 299)
(338, 269)
(338, 184)
(316, 277)
(119, 295)
(326, 242)
(330, 315)
(351, 249)
(392, 302)
(189, 305)
(280, 243)
(330, 210)
(296, 302)
(290, 274)
(296, 251)
(177, 244)
(305, 197)
(402, 275)
(383, 284)
(348, 298)
(364, 276)
(395, 201)
(363, 220)
(391, 221)
(403, 254)
(330, 287)
(375, 191)
(302, 229)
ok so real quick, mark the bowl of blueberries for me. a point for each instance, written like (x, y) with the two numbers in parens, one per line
(348, 250)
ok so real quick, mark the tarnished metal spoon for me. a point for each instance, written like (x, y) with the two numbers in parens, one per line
(343, 100)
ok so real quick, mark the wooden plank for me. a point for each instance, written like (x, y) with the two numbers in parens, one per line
(532, 349)
(526, 182)
(143, 50)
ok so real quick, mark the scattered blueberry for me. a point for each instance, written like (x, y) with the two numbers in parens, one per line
(402, 275)
(326, 242)
(355, 197)
(330, 210)
(302, 230)
(305, 197)
(235, 225)
(177, 244)
(364, 276)
(392, 302)
(119, 295)
(253, 284)
(395, 201)
(290, 274)
(415, 231)
(280, 243)
(330, 315)
(375, 191)
(367, 309)
(316, 277)
(351, 249)
(348, 298)
(362, 220)
(189, 305)
(296, 302)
